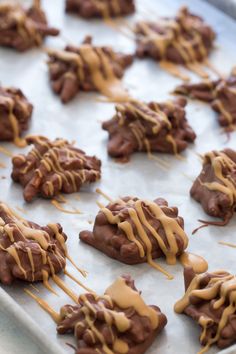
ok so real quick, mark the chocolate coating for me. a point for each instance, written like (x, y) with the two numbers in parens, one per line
(27, 249)
(77, 68)
(220, 94)
(218, 200)
(15, 113)
(113, 237)
(183, 39)
(106, 8)
(203, 306)
(138, 337)
(52, 167)
(22, 28)
(158, 127)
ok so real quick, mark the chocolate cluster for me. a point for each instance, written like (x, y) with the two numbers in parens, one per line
(22, 28)
(220, 94)
(150, 127)
(117, 322)
(86, 68)
(28, 251)
(15, 113)
(210, 301)
(134, 231)
(183, 39)
(215, 187)
(52, 167)
(96, 9)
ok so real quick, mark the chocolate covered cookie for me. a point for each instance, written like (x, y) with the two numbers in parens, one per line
(183, 39)
(87, 68)
(220, 94)
(215, 187)
(117, 322)
(150, 127)
(133, 231)
(28, 251)
(22, 28)
(100, 8)
(15, 114)
(210, 300)
(52, 167)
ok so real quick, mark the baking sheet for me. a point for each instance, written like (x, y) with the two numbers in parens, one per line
(80, 120)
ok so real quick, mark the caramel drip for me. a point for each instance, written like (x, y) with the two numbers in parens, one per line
(46, 283)
(21, 210)
(125, 297)
(99, 191)
(65, 288)
(57, 205)
(77, 281)
(163, 164)
(197, 69)
(2, 165)
(226, 185)
(227, 244)
(198, 263)
(173, 69)
(61, 240)
(213, 68)
(224, 111)
(222, 287)
(5, 151)
(138, 219)
(13, 252)
(45, 306)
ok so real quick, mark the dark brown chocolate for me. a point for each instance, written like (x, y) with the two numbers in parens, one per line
(98, 9)
(87, 68)
(52, 167)
(117, 322)
(134, 231)
(151, 127)
(183, 39)
(22, 28)
(220, 94)
(215, 187)
(15, 114)
(28, 251)
(210, 300)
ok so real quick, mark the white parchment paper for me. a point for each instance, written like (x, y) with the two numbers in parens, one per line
(80, 120)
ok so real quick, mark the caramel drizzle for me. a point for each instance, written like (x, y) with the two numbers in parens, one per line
(222, 286)
(226, 185)
(14, 122)
(100, 69)
(174, 37)
(25, 25)
(106, 6)
(41, 237)
(156, 116)
(5, 151)
(141, 238)
(198, 263)
(49, 161)
(120, 294)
